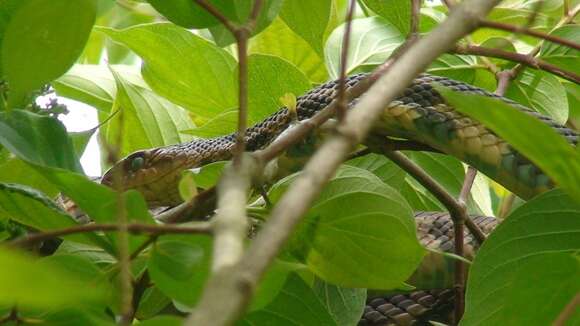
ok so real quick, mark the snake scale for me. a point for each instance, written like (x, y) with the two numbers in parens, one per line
(419, 114)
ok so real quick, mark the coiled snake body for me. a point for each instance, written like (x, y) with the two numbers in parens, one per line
(419, 114)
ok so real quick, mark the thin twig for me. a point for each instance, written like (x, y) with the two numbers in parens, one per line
(232, 288)
(568, 311)
(415, 19)
(530, 32)
(524, 59)
(134, 228)
(341, 96)
(217, 14)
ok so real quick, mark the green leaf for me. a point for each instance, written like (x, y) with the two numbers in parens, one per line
(372, 41)
(269, 11)
(273, 282)
(279, 40)
(152, 302)
(175, 62)
(222, 124)
(296, 304)
(560, 55)
(308, 19)
(382, 167)
(209, 174)
(542, 92)
(344, 305)
(179, 266)
(38, 139)
(95, 85)
(42, 41)
(80, 140)
(527, 249)
(357, 225)
(501, 43)
(15, 170)
(162, 321)
(190, 15)
(395, 12)
(269, 79)
(534, 139)
(146, 120)
(7, 10)
(42, 284)
(32, 208)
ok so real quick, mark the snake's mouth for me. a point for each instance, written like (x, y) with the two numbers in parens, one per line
(155, 173)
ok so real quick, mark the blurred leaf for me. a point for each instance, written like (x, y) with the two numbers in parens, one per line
(530, 136)
(146, 120)
(42, 41)
(38, 139)
(188, 14)
(243, 8)
(162, 321)
(80, 140)
(179, 266)
(279, 40)
(296, 304)
(42, 284)
(222, 124)
(500, 43)
(449, 172)
(542, 92)
(273, 282)
(32, 208)
(308, 19)
(357, 225)
(344, 305)
(527, 248)
(210, 174)
(15, 170)
(560, 55)
(187, 186)
(395, 12)
(459, 67)
(7, 10)
(151, 304)
(175, 62)
(373, 40)
(95, 85)
(382, 167)
(514, 15)
(269, 79)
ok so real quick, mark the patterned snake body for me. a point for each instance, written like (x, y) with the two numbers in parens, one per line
(419, 114)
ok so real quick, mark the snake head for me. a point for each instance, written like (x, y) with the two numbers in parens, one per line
(155, 173)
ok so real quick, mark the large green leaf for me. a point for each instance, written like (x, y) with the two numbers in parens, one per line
(269, 79)
(95, 85)
(270, 9)
(533, 138)
(359, 233)
(308, 19)
(179, 266)
(15, 170)
(344, 305)
(190, 15)
(519, 265)
(185, 68)
(296, 304)
(42, 284)
(38, 139)
(32, 208)
(541, 91)
(396, 12)
(560, 55)
(146, 120)
(42, 41)
(279, 40)
(372, 41)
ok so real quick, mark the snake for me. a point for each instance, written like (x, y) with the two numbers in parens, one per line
(418, 114)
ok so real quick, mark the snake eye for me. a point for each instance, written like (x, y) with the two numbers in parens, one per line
(137, 163)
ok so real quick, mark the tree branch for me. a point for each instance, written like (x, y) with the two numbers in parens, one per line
(232, 288)
(530, 32)
(134, 228)
(524, 59)
(341, 96)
